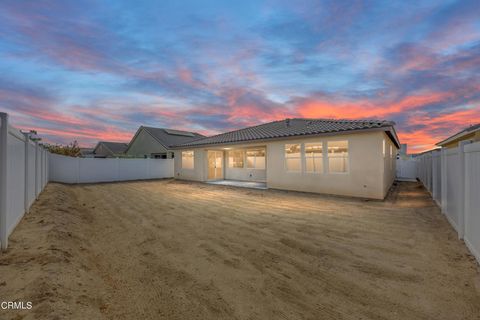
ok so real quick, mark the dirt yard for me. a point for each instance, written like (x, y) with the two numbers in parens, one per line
(179, 250)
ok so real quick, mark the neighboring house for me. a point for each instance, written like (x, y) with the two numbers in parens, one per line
(402, 152)
(471, 133)
(86, 153)
(151, 142)
(341, 157)
(107, 149)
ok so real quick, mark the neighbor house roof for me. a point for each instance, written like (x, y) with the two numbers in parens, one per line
(460, 135)
(296, 127)
(113, 147)
(169, 137)
(86, 151)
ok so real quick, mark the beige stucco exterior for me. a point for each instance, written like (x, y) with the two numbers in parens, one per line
(145, 145)
(474, 136)
(102, 151)
(370, 173)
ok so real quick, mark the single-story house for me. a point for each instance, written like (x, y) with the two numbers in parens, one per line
(340, 157)
(108, 149)
(471, 133)
(86, 153)
(149, 142)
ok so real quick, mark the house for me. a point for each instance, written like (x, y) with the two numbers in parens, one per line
(151, 142)
(107, 149)
(471, 133)
(340, 157)
(86, 153)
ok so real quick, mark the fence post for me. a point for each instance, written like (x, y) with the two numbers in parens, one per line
(3, 180)
(37, 167)
(42, 163)
(27, 141)
(443, 168)
(464, 177)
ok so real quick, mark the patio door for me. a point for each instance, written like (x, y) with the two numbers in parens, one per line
(215, 165)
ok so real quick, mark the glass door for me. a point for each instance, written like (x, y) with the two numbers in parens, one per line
(215, 165)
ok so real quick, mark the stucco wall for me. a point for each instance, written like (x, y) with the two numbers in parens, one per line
(246, 174)
(389, 164)
(367, 175)
(145, 144)
(199, 171)
(363, 179)
(474, 136)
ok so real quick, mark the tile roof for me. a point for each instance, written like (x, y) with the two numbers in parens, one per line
(170, 137)
(290, 128)
(114, 147)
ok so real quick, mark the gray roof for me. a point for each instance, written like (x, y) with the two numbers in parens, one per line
(295, 127)
(170, 137)
(114, 147)
(86, 151)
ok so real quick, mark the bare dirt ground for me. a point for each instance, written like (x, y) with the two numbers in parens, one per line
(179, 250)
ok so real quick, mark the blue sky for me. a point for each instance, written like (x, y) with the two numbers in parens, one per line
(96, 70)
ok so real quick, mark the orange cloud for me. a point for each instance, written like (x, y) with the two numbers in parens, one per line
(366, 109)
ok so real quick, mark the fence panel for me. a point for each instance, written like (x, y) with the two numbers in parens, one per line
(31, 173)
(454, 180)
(22, 176)
(472, 198)
(455, 185)
(15, 178)
(437, 177)
(133, 169)
(90, 170)
(406, 169)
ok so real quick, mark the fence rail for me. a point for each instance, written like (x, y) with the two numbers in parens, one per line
(23, 175)
(90, 170)
(452, 176)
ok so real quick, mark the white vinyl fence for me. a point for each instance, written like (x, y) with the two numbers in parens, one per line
(406, 170)
(26, 167)
(453, 178)
(23, 175)
(91, 170)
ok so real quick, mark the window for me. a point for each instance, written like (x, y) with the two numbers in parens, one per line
(338, 156)
(314, 157)
(187, 159)
(293, 157)
(236, 159)
(256, 158)
(384, 148)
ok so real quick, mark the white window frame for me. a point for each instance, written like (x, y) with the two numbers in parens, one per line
(245, 163)
(193, 159)
(300, 157)
(244, 158)
(329, 157)
(313, 157)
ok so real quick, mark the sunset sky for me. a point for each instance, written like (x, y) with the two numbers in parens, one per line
(97, 70)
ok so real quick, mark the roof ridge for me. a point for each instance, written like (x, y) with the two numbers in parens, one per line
(341, 119)
(236, 130)
(162, 128)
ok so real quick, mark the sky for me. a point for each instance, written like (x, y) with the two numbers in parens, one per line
(97, 70)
